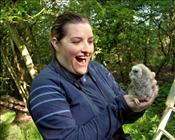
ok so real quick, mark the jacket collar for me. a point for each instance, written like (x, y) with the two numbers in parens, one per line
(65, 73)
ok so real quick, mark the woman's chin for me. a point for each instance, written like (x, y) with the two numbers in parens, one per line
(81, 71)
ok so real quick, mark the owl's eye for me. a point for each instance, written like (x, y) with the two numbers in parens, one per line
(135, 71)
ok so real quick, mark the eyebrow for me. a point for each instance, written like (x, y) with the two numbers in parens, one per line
(75, 38)
(81, 37)
(91, 37)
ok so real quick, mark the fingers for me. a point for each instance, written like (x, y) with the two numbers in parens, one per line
(155, 90)
(154, 84)
(153, 75)
(143, 105)
(137, 107)
(153, 80)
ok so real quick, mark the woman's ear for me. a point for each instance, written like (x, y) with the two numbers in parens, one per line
(54, 43)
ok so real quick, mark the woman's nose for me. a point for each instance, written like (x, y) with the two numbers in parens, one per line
(88, 47)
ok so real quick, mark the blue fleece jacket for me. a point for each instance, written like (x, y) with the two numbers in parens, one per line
(69, 107)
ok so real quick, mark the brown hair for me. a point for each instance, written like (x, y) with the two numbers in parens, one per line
(58, 29)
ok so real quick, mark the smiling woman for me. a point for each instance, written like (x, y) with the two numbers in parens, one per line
(73, 45)
(74, 50)
(74, 98)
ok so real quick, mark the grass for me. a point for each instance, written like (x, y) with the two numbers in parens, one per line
(11, 130)
(142, 129)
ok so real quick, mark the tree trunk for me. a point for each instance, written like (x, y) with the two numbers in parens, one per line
(23, 50)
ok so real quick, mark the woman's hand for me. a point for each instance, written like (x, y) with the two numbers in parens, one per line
(144, 104)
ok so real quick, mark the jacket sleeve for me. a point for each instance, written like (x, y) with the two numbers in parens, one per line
(125, 113)
(52, 116)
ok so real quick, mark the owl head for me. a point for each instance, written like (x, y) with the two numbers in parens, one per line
(138, 72)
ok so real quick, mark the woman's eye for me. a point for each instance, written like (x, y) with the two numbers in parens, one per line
(76, 41)
(90, 41)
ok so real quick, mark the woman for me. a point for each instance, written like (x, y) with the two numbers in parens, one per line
(74, 98)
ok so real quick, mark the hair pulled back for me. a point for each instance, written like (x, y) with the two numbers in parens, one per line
(58, 29)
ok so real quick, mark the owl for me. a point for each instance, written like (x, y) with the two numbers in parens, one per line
(141, 85)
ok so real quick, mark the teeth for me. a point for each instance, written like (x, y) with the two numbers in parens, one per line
(82, 57)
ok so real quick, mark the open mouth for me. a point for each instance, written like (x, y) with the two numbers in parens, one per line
(81, 60)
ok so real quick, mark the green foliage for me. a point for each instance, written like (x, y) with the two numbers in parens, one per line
(133, 32)
(145, 127)
(160, 100)
(7, 117)
(125, 32)
(22, 131)
(10, 130)
(5, 120)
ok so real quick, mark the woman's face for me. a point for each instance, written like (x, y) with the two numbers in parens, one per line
(76, 48)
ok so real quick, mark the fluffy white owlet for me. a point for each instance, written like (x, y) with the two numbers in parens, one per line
(140, 85)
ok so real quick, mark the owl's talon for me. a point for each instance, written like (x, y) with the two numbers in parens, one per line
(136, 101)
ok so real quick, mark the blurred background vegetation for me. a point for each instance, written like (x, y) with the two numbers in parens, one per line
(126, 32)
